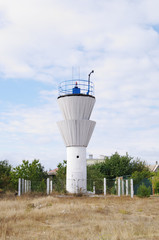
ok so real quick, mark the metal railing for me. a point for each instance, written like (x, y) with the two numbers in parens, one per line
(76, 86)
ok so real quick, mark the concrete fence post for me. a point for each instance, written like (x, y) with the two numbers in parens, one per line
(51, 186)
(132, 188)
(118, 187)
(122, 186)
(29, 185)
(25, 186)
(48, 183)
(127, 191)
(94, 188)
(127, 187)
(105, 186)
(19, 187)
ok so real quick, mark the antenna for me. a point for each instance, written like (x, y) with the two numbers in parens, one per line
(76, 72)
(89, 75)
(72, 72)
(79, 72)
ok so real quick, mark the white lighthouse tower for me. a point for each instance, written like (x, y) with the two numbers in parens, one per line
(76, 100)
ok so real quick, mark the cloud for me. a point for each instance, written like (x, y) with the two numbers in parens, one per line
(41, 41)
(30, 133)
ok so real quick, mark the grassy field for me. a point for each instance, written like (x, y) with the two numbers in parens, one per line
(82, 218)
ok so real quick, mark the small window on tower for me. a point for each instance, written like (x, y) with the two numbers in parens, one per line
(77, 156)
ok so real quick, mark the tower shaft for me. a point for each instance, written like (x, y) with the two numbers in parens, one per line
(76, 170)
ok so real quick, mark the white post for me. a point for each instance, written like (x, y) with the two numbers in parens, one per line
(122, 187)
(131, 186)
(127, 192)
(51, 186)
(115, 185)
(47, 191)
(118, 187)
(105, 186)
(19, 187)
(94, 188)
(22, 185)
(25, 186)
(29, 185)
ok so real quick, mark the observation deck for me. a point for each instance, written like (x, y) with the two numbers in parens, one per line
(76, 87)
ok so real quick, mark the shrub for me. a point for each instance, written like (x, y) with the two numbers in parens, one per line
(113, 190)
(143, 191)
(157, 187)
(155, 182)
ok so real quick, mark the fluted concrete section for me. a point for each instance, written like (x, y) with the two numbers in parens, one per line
(76, 107)
(76, 132)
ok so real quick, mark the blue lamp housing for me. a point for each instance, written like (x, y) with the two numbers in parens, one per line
(76, 89)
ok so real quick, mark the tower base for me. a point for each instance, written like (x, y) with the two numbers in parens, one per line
(76, 178)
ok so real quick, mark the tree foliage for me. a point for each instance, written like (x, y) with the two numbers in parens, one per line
(94, 175)
(33, 171)
(30, 171)
(60, 179)
(116, 166)
(138, 176)
(155, 182)
(94, 171)
(5, 171)
(143, 191)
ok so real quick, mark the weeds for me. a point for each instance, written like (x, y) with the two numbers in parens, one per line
(73, 218)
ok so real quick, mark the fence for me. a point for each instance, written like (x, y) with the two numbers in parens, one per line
(118, 186)
(27, 186)
(24, 186)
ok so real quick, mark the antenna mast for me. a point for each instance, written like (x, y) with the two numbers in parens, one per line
(89, 75)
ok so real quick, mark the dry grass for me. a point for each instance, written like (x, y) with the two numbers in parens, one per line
(79, 218)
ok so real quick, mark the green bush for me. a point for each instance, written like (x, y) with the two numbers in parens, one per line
(143, 191)
(157, 187)
(155, 182)
(113, 190)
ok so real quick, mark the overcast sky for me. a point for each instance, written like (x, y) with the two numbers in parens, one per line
(40, 42)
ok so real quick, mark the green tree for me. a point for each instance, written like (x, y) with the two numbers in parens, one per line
(94, 171)
(143, 191)
(138, 176)
(33, 171)
(116, 166)
(5, 172)
(155, 182)
(60, 179)
(94, 175)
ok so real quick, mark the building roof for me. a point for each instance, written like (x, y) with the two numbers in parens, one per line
(53, 172)
(154, 168)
